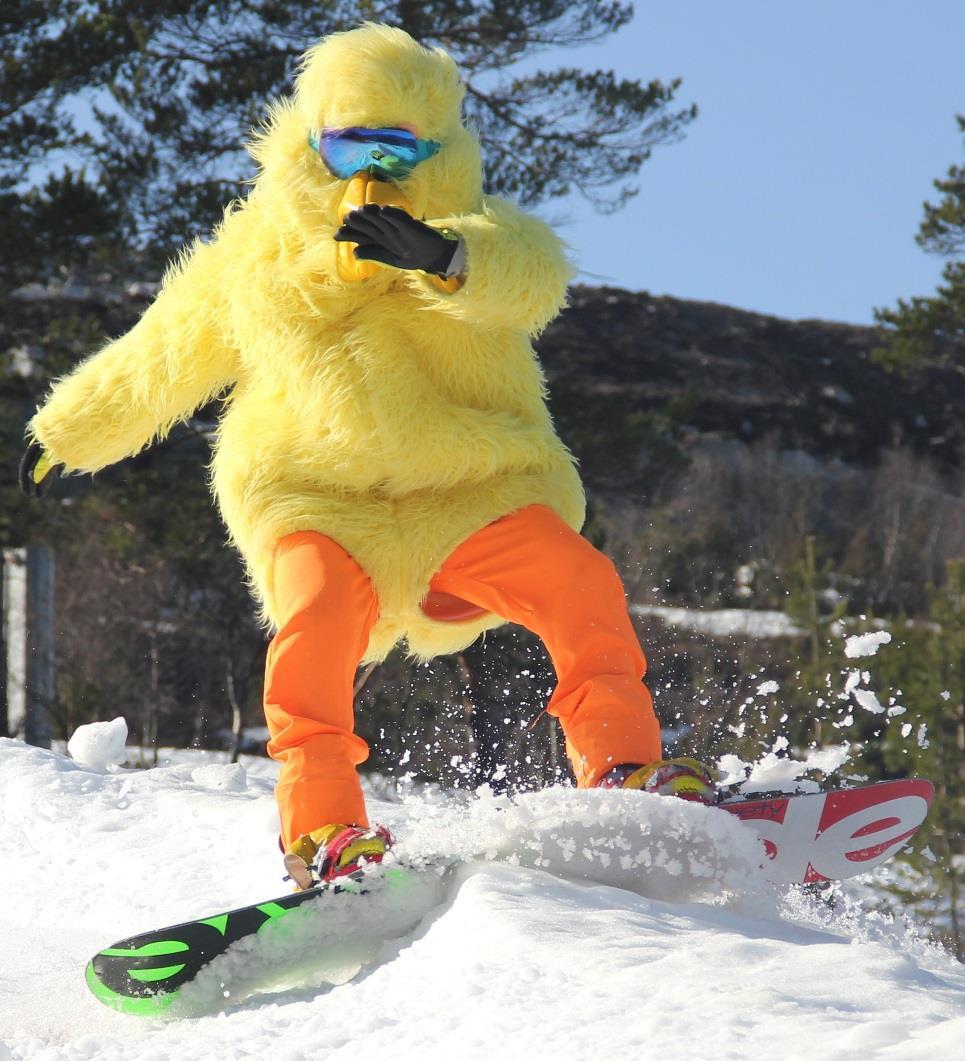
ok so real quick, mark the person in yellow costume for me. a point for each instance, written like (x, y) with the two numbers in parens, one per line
(385, 462)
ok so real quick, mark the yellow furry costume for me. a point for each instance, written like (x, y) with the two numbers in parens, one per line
(392, 415)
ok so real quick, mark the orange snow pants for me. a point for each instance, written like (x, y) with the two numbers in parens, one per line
(529, 568)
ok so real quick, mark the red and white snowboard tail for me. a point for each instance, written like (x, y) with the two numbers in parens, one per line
(833, 835)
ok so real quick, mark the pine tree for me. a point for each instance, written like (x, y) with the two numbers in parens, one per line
(925, 671)
(934, 327)
(49, 213)
(803, 604)
(140, 108)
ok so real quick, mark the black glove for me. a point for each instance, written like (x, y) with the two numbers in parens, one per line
(29, 485)
(389, 235)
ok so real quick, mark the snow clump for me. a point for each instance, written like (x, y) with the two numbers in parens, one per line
(101, 745)
(867, 699)
(865, 644)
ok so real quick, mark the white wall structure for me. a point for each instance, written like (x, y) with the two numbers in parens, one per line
(28, 623)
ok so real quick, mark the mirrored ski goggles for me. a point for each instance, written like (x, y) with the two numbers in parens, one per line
(388, 154)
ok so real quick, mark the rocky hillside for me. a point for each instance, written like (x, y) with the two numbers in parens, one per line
(630, 373)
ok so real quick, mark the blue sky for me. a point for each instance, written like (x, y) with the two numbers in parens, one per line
(798, 189)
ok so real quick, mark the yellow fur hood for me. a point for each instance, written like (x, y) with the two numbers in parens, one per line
(388, 414)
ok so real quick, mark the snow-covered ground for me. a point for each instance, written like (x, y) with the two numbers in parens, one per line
(723, 622)
(693, 956)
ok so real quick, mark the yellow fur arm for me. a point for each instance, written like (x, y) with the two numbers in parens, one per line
(136, 388)
(516, 271)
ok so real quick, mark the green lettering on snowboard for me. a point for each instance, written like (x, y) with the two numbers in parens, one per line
(273, 911)
(149, 950)
(150, 1006)
(149, 976)
(219, 922)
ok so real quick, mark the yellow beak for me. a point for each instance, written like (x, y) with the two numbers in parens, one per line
(361, 190)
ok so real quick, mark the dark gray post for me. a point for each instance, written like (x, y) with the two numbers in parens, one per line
(28, 621)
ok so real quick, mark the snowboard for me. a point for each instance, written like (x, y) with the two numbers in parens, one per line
(156, 973)
(806, 838)
(822, 836)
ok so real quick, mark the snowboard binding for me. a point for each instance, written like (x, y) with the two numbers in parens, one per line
(333, 852)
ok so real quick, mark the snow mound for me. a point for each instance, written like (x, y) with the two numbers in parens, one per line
(648, 844)
(488, 958)
(230, 777)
